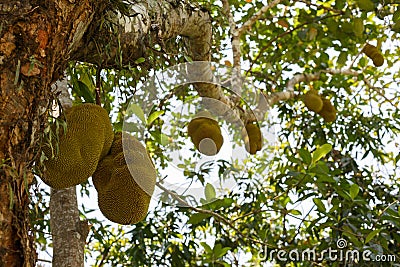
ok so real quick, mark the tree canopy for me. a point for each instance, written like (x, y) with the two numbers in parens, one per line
(314, 185)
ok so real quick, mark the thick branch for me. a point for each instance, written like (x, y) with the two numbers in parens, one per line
(149, 22)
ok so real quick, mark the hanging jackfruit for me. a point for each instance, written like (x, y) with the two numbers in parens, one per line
(366, 5)
(328, 111)
(253, 141)
(358, 27)
(206, 135)
(125, 181)
(313, 101)
(88, 139)
(373, 53)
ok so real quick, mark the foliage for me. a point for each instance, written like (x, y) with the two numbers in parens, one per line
(322, 182)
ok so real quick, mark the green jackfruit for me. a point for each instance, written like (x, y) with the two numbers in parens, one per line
(366, 5)
(125, 181)
(328, 111)
(206, 135)
(313, 101)
(88, 139)
(358, 27)
(254, 141)
(373, 53)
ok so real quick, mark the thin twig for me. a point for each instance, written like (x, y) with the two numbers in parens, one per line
(216, 216)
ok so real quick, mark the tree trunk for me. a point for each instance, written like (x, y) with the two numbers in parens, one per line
(19, 123)
(68, 231)
(37, 40)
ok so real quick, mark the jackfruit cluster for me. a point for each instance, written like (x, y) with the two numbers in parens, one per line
(87, 140)
(205, 134)
(125, 181)
(373, 53)
(253, 141)
(320, 105)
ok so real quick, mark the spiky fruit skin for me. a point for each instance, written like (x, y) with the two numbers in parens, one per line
(373, 53)
(205, 134)
(88, 139)
(328, 111)
(313, 101)
(254, 142)
(125, 181)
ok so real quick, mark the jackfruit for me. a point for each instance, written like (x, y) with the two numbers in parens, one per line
(205, 134)
(358, 27)
(313, 101)
(254, 141)
(88, 139)
(328, 111)
(366, 5)
(125, 181)
(373, 53)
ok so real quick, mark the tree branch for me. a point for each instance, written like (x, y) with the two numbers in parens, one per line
(249, 23)
(267, 101)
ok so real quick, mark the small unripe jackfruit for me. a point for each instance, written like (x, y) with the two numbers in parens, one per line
(254, 142)
(313, 101)
(125, 181)
(328, 111)
(206, 135)
(366, 5)
(88, 139)
(373, 53)
(358, 27)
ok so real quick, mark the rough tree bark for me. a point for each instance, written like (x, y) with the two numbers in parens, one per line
(37, 40)
(68, 231)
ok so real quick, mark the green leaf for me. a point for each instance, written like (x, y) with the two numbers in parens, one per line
(197, 218)
(164, 139)
(396, 15)
(342, 59)
(295, 212)
(135, 109)
(321, 152)
(396, 26)
(305, 156)
(319, 204)
(219, 251)
(153, 116)
(371, 235)
(85, 92)
(209, 192)
(354, 189)
(206, 247)
(140, 60)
